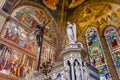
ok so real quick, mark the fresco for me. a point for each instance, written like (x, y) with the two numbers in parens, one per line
(75, 3)
(48, 53)
(99, 12)
(51, 4)
(13, 62)
(25, 67)
(50, 33)
(31, 17)
(20, 36)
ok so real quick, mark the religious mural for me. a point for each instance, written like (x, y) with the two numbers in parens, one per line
(75, 3)
(50, 33)
(26, 66)
(26, 17)
(49, 53)
(100, 12)
(113, 42)
(20, 36)
(97, 57)
(51, 4)
(14, 63)
(32, 17)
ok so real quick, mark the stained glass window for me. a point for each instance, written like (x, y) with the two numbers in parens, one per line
(113, 42)
(97, 57)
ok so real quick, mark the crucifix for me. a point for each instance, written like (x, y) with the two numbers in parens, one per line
(39, 37)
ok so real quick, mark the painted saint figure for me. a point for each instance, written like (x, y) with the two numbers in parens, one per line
(71, 32)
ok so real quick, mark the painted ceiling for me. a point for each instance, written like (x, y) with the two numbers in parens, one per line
(85, 12)
(52, 3)
(95, 15)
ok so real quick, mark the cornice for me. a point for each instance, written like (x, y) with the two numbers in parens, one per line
(16, 47)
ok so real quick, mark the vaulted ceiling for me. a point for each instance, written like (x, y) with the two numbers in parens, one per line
(84, 13)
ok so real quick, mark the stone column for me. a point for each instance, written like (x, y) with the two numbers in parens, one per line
(82, 72)
(72, 68)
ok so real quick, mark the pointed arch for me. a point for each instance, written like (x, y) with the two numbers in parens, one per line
(112, 37)
(31, 16)
(23, 20)
(97, 57)
(113, 42)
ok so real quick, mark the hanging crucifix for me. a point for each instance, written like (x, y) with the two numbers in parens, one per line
(39, 37)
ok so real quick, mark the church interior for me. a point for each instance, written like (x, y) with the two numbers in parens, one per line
(97, 29)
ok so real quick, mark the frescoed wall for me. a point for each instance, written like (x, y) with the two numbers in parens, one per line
(48, 53)
(51, 3)
(31, 17)
(20, 36)
(15, 63)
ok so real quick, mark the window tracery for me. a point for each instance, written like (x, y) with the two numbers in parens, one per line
(97, 57)
(113, 42)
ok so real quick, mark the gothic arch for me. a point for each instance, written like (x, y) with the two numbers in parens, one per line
(21, 4)
(112, 30)
(96, 53)
(88, 26)
(39, 8)
(103, 27)
(20, 20)
(113, 42)
(108, 26)
(38, 15)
